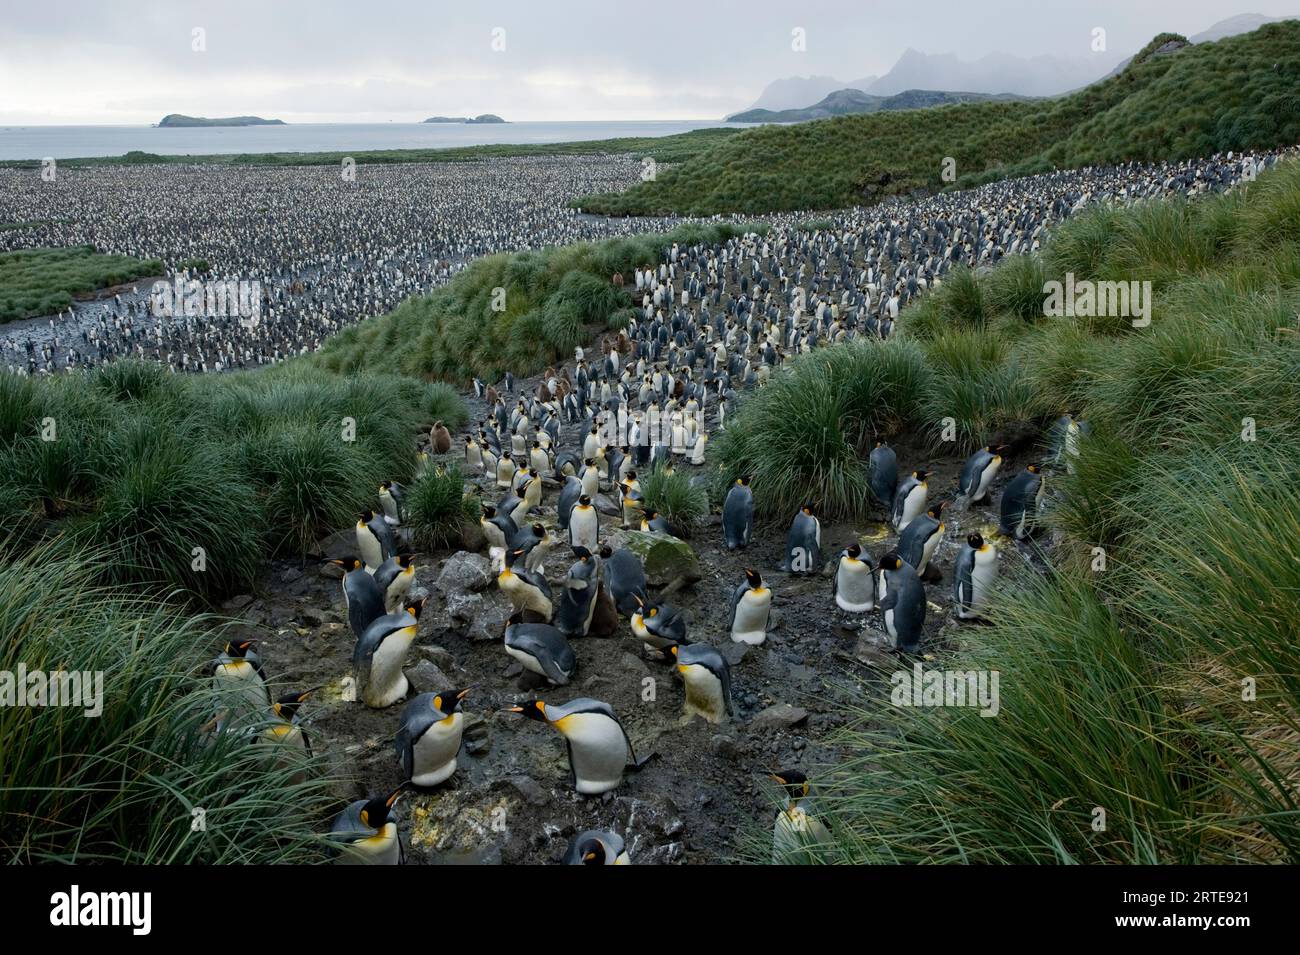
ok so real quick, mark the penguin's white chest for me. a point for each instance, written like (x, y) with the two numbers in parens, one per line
(583, 527)
(598, 750)
(244, 682)
(372, 553)
(388, 683)
(526, 660)
(853, 586)
(434, 753)
(383, 848)
(704, 693)
(493, 534)
(985, 479)
(913, 506)
(750, 625)
(982, 575)
(929, 547)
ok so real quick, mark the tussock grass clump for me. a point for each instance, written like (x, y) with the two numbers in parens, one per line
(672, 493)
(43, 281)
(119, 787)
(437, 506)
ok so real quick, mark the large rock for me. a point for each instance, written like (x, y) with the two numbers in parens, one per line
(427, 677)
(779, 717)
(665, 558)
(490, 620)
(464, 571)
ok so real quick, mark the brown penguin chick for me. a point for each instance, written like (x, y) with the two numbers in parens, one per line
(543, 392)
(604, 619)
(440, 438)
(492, 397)
(618, 279)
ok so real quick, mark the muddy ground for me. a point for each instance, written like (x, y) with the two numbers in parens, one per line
(706, 791)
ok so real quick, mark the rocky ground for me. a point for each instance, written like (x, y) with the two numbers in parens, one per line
(705, 794)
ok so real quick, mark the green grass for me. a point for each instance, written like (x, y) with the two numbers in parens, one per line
(120, 787)
(1161, 690)
(43, 281)
(663, 149)
(192, 482)
(1238, 93)
(438, 506)
(672, 494)
(553, 299)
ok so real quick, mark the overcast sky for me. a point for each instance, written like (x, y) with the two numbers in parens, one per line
(121, 61)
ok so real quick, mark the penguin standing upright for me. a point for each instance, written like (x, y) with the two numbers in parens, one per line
(707, 677)
(917, 544)
(596, 847)
(527, 591)
(854, 586)
(750, 603)
(903, 602)
(374, 540)
(577, 604)
(498, 530)
(428, 736)
(569, 495)
(599, 748)
(473, 454)
(237, 674)
(884, 474)
(380, 653)
(978, 472)
(738, 515)
(394, 577)
(541, 649)
(797, 829)
(909, 499)
(973, 574)
(505, 470)
(625, 578)
(363, 597)
(366, 832)
(1021, 499)
(803, 542)
(392, 501)
(584, 525)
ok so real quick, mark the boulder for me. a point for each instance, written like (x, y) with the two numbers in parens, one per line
(463, 572)
(665, 558)
(780, 716)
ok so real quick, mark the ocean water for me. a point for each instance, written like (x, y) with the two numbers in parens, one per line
(69, 142)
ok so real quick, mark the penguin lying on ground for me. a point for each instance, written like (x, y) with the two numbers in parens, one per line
(540, 649)
(428, 736)
(380, 654)
(367, 833)
(599, 749)
(597, 847)
(658, 626)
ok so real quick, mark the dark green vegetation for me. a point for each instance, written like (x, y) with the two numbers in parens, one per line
(553, 299)
(1239, 93)
(671, 493)
(663, 149)
(43, 281)
(178, 119)
(1162, 687)
(437, 505)
(145, 467)
(120, 786)
(849, 102)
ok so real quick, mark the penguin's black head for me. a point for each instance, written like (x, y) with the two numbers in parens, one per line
(239, 648)
(404, 560)
(936, 510)
(539, 530)
(448, 701)
(975, 541)
(920, 475)
(584, 500)
(415, 607)
(794, 782)
(521, 490)
(891, 561)
(375, 812)
(581, 553)
(287, 706)
(367, 516)
(489, 511)
(385, 485)
(536, 444)
(1033, 469)
(533, 709)
(854, 551)
(650, 513)
(753, 578)
(347, 563)
(743, 480)
(606, 551)
(589, 462)
(809, 507)
(592, 852)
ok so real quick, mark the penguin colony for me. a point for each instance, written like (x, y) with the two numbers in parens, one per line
(341, 252)
(714, 322)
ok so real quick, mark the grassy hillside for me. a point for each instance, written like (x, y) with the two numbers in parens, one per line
(1242, 92)
(1161, 687)
(552, 300)
(43, 281)
(665, 149)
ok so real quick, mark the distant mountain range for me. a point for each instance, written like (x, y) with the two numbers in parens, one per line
(991, 74)
(177, 119)
(481, 118)
(848, 101)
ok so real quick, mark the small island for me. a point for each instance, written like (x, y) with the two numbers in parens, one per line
(482, 118)
(178, 119)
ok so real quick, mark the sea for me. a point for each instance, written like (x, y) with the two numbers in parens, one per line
(76, 142)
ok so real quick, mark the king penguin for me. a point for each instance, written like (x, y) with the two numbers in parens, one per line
(394, 578)
(577, 605)
(237, 673)
(750, 603)
(973, 574)
(917, 544)
(286, 727)
(380, 653)
(374, 540)
(569, 495)
(625, 578)
(903, 602)
(392, 501)
(366, 832)
(1021, 499)
(596, 847)
(803, 543)
(797, 829)
(540, 649)
(738, 515)
(527, 591)
(584, 525)
(659, 627)
(599, 749)
(428, 736)
(707, 677)
(854, 587)
(909, 500)
(884, 474)
(978, 472)
(363, 597)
